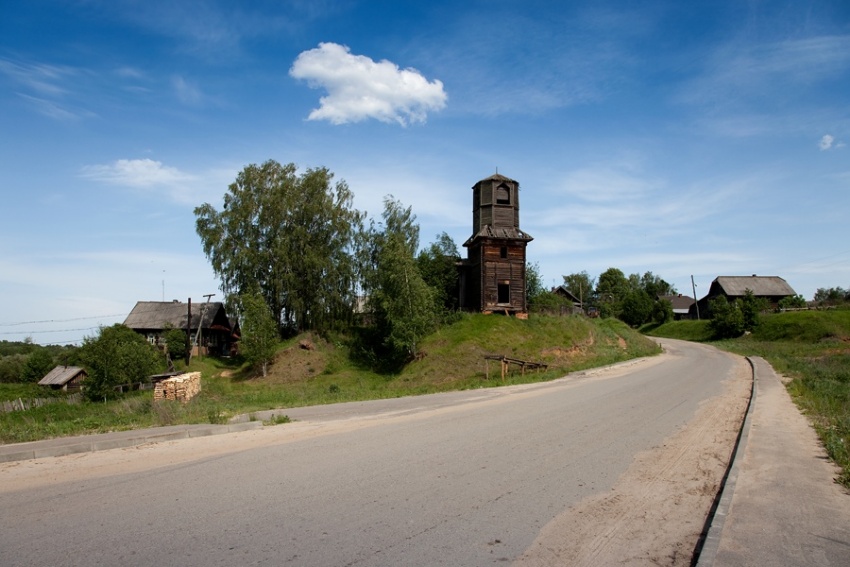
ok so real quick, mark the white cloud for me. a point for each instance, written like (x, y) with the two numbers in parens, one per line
(359, 88)
(136, 173)
(186, 91)
(826, 142)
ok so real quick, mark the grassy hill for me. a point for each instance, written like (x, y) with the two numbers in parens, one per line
(312, 370)
(812, 348)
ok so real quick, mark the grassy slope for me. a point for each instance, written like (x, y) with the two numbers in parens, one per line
(453, 359)
(812, 348)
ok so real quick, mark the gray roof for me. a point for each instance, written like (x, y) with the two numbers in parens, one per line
(680, 303)
(498, 177)
(507, 233)
(60, 375)
(156, 315)
(761, 286)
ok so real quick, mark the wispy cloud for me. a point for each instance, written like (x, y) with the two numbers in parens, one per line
(152, 175)
(187, 93)
(360, 88)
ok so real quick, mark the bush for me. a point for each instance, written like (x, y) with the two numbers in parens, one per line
(727, 319)
(117, 356)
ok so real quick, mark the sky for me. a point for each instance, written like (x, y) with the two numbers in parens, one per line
(690, 139)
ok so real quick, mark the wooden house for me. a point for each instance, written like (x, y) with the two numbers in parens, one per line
(771, 288)
(67, 378)
(492, 278)
(217, 334)
(681, 305)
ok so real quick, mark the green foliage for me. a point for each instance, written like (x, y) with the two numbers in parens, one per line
(727, 318)
(38, 364)
(832, 295)
(685, 330)
(404, 305)
(534, 288)
(438, 266)
(580, 285)
(792, 302)
(116, 356)
(175, 341)
(611, 288)
(751, 307)
(291, 235)
(11, 367)
(662, 311)
(259, 332)
(636, 308)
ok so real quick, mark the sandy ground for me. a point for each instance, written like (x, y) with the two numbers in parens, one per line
(653, 516)
(655, 513)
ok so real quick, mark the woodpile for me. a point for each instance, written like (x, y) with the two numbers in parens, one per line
(181, 388)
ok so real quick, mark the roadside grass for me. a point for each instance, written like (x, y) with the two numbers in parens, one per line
(812, 349)
(452, 359)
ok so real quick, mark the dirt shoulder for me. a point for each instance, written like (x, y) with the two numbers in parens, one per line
(655, 513)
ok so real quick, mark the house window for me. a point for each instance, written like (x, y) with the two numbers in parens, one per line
(503, 195)
(503, 252)
(504, 293)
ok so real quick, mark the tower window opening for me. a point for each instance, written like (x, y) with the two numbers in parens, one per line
(504, 293)
(503, 195)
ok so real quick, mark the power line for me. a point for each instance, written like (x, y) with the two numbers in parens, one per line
(60, 320)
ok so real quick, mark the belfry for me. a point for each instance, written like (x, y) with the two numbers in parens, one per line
(492, 278)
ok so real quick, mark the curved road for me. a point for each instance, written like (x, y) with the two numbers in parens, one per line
(467, 478)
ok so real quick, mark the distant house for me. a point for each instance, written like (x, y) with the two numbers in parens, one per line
(562, 291)
(681, 305)
(771, 288)
(64, 378)
(217, 333)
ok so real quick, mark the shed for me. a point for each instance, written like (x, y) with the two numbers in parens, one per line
(64, 378)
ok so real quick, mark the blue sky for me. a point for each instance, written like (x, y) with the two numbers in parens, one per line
(682, 138)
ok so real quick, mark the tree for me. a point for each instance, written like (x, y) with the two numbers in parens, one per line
(636, 308)
(662, 311)
(792, 302)
(38, 364)
(832, 295)
(580, 285)
(534, 288)
(751, 306)
(259, 332)
(611, 288)
(438, 266)
(176, 342)
(117, 355)
(655, 285)
(727, 318)
(403, 303)
(291, 235)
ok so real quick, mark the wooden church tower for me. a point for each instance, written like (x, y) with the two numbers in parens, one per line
(493, 276)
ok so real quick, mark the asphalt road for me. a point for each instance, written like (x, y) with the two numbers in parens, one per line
(462, 479)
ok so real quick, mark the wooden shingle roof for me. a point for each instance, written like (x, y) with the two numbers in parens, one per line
(157, 315)
(761, 286)
(60, 375)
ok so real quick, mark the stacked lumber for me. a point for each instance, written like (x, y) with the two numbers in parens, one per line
(180, 388)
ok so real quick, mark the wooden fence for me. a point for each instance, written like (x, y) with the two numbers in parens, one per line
(21, 404)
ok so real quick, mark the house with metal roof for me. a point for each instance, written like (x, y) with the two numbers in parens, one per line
(153, 318)
(64, 378)
(771, 288)
(681, 305)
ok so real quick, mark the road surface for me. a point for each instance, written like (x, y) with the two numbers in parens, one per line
(612, 464)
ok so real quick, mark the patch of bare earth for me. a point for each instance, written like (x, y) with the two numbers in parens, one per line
(648, 517)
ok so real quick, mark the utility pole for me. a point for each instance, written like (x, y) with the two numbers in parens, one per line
(189, 334)
(694, 287)
(198, 340)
